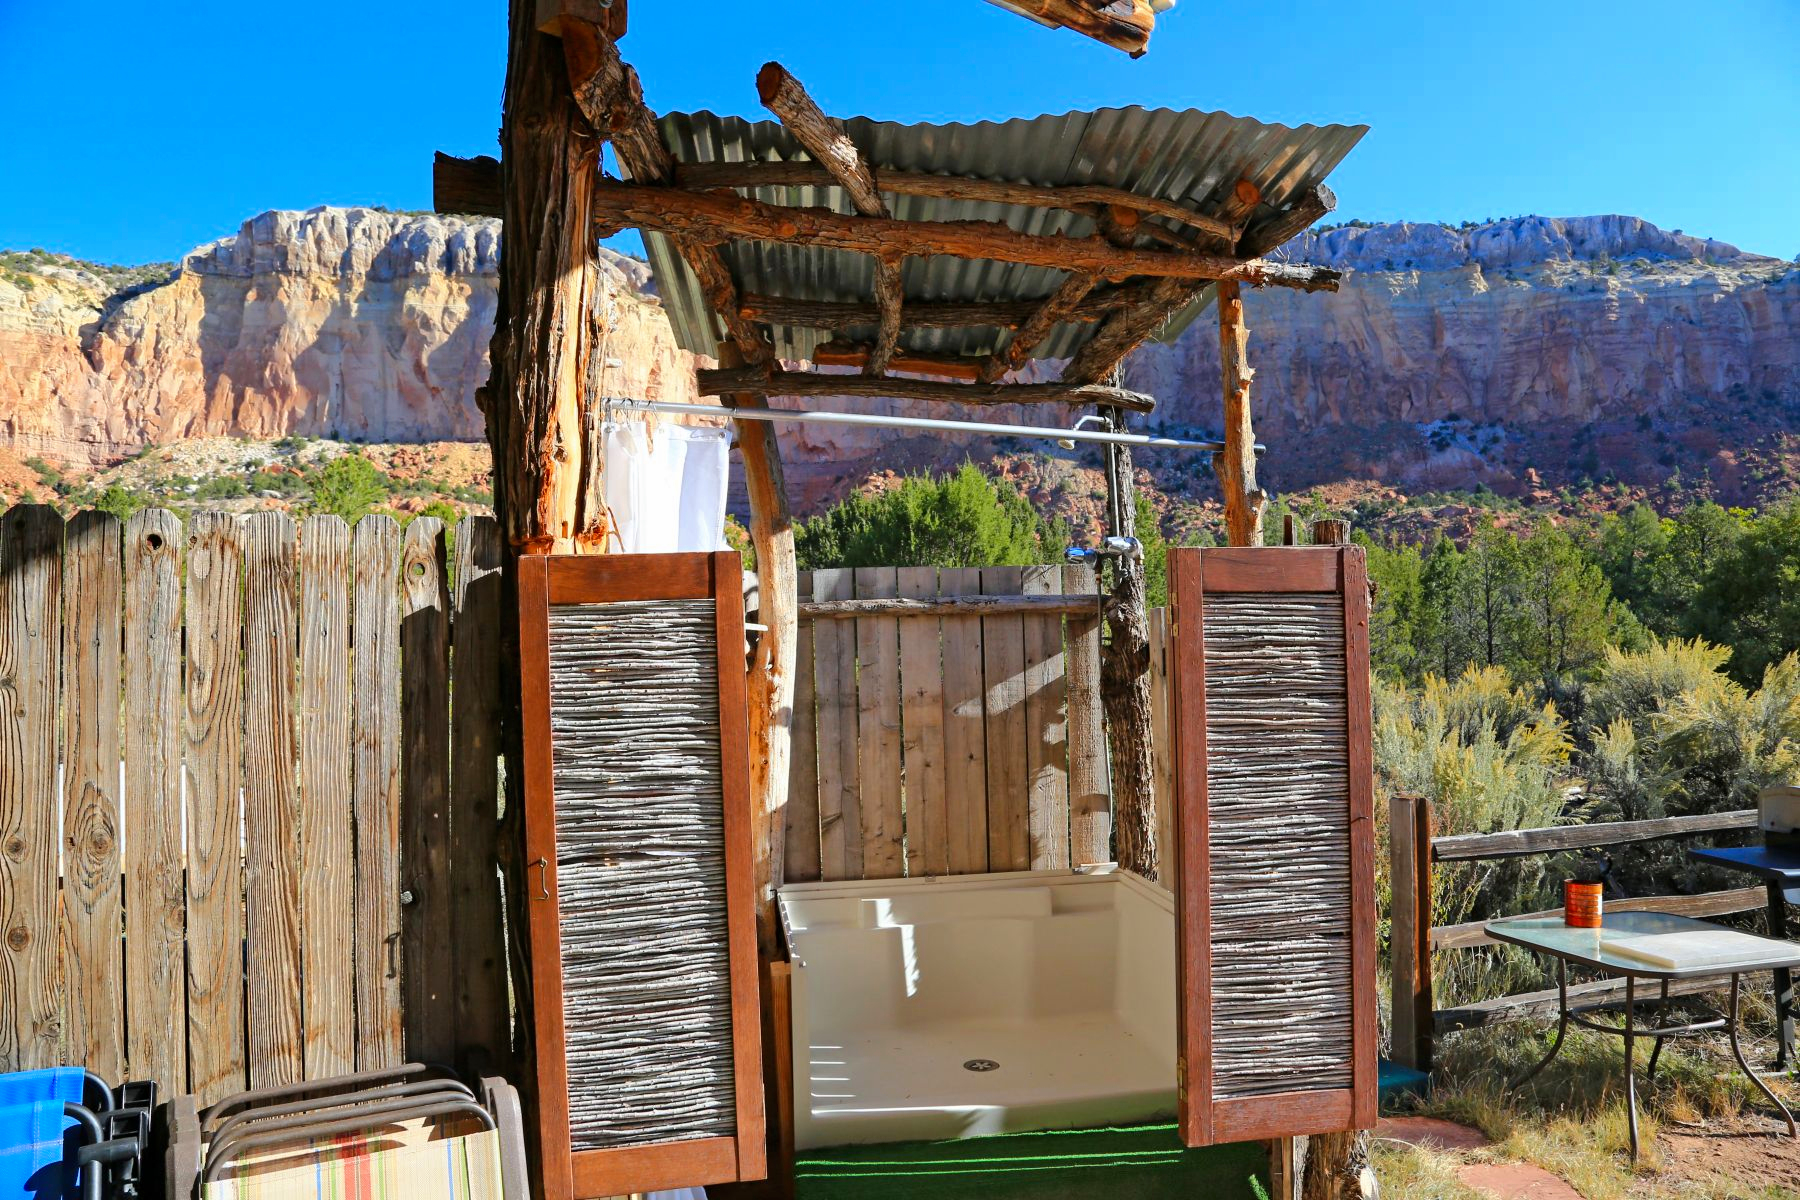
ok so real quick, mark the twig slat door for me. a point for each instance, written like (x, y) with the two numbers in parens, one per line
(1268, 667)
(637, 817)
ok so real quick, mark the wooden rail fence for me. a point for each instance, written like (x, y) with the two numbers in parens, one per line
(248, 795)
(1413, 851)
(955, 735)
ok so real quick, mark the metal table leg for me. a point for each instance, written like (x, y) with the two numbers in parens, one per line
(1562, 1026)
(1656, 1050)
(1738, 1052)
(1630, 1064)
(1786, 1001)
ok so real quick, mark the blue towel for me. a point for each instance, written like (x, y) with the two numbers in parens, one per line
(37, 1151)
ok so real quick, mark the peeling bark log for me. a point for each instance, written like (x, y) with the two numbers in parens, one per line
(857, 354)
(1279, 228)
(760, 382)
(1127, 329)
(1127, 31)
(717, 216)
(1236, 464)
(1125, 683)
(1037, 327)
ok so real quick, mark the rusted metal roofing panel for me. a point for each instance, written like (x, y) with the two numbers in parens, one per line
(1192, 158)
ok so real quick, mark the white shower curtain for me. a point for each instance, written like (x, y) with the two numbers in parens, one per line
(665, 486)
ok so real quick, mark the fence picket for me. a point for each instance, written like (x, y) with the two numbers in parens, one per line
(878, 730)
(327, 894)
(922, 726)
(1046, 728)
(834, 658)
(965, 730)
(30, 647)
(155, 908)
(1003, 662)
(215, 877)
(375, 790)
(430, 986)
(93, 598)
(1090, 796)
(482, 1021)
(271, 811)
(800, 860)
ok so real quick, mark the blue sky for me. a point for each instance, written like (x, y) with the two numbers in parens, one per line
(135, 131)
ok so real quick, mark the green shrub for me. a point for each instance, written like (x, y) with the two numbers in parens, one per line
(961, 520)
(349, 486)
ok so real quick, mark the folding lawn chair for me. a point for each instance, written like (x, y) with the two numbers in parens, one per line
(62, 1137)
(415, 1132)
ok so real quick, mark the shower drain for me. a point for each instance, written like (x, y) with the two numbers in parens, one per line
(981, 1064)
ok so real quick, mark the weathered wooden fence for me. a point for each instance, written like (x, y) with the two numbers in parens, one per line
(959, 735)
(268, 853)
(1413, 852)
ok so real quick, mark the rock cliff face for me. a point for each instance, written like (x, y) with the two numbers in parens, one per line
(351, 323)
(1520, 352)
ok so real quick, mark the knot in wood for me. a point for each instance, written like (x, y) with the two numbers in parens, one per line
(17, 938)
(15, 848)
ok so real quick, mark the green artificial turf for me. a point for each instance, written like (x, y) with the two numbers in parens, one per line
(1143, 1163)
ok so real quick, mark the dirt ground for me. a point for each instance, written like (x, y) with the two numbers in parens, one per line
(1757, 1151)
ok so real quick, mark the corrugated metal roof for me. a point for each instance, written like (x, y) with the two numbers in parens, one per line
(1193, 158)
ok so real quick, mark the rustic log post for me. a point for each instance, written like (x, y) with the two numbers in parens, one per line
(1236, 464)
(1337, 1164)
(1409, 858)
(1125, 679)
(772, 666)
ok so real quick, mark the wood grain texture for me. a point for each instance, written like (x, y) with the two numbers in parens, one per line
(878, 731)
(155, 906)
(922, 723)
(1513, 843)
(1046, 729)
(834, 666)
(1186, 665)
(93, 602)
(326, 856)
(1003, 663)
(965, 730)
(1410, 952)
(1163, 743)
(271, 806)
(375, 790)
(1090, 794)
(215, 877)
(800, 860)
(425, 884)
(483, 1022)
(31, 539)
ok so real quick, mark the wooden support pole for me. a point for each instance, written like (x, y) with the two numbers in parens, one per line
(760, 382)
(1125, 680)
(1409, 858)
(1051, 313)
(711, 217)
(825, 139)
(1236, 464)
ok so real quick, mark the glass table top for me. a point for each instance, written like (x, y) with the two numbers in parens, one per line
(1657, 945)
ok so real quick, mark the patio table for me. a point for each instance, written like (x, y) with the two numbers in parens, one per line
(1655, 947)
(1780, 872)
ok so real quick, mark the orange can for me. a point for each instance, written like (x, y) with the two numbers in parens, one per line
(1581, 904)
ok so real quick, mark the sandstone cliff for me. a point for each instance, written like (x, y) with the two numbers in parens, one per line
(1520, 353)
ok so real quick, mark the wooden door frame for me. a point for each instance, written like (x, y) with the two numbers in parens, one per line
(1205, 1120)
(546, 581)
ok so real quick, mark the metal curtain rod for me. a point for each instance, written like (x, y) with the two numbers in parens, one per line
(1050, 433)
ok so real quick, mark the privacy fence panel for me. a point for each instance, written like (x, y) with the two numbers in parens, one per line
(231, 740)
(943, 738)
(1267, 668)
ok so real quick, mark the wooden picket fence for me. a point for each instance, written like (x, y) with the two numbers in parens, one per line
(938, 743)
(268, 852)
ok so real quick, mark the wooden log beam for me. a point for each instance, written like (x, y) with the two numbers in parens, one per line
(1126, 329)
(825, 139)
(718, 216)
(608, 92)
(1006, 314)
(859, 354)
(1051, 313)
(1104, 22)
(1087, 604)
(1583, 998)
(1279, 228)
(762, 382)
(1090, 200)
(1707, 904)
(466, 186)
(1514, 843)
(1235, 465)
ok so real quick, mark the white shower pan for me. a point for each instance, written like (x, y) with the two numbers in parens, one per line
(980, 1004)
